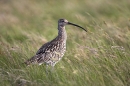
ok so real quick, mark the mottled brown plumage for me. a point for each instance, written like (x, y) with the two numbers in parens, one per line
(51, 52)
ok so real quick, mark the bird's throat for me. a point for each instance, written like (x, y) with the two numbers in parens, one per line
(62, 33)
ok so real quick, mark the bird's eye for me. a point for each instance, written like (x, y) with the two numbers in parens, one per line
(62, 20)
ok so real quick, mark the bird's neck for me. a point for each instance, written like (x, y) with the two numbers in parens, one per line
(62, 33)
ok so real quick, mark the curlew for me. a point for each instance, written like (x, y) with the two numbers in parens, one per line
(52, 52)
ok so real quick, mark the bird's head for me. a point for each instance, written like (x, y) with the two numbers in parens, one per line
(63, 22)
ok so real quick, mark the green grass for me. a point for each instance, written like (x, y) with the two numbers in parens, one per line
(100, 57)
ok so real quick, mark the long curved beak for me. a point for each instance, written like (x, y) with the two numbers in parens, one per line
(76, 26)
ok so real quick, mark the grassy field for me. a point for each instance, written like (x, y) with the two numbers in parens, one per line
(100, 57)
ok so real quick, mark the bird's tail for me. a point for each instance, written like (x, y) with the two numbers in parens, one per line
(33, 60)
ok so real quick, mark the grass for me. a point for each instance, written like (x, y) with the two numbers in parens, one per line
(99, 57)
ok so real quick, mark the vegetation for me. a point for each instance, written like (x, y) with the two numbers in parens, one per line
(100, 57)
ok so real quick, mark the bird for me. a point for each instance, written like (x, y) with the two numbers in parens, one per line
(52, 52)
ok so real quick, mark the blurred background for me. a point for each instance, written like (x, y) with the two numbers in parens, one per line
(100, 57)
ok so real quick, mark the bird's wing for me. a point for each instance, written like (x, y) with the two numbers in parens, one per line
(43, 48)
(47, 47)
(33, 60)
(39, 58)
(45, 53)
